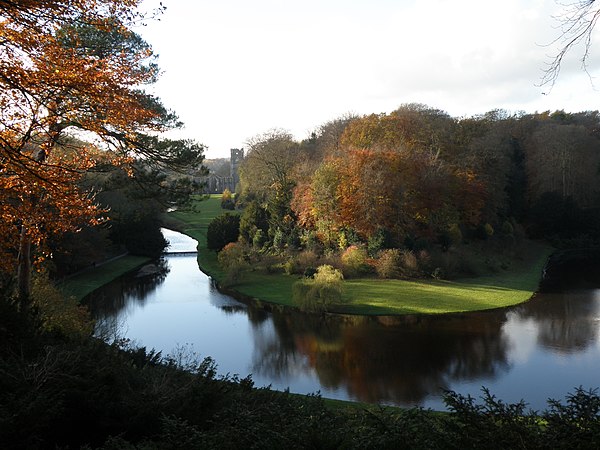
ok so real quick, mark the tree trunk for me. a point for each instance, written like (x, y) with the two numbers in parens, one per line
(24, 270)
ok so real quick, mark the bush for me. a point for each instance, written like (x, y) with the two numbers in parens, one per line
(306, 259)
(222, 230)
(259, 239)
(507, 228)
(227, 201)
(354, 261)
(388, 263)
(319, 293)
(253, 219)
(58, 313)
(409, 263)
(290, 267)
(378, 241)
(232, 259)
(451, 236)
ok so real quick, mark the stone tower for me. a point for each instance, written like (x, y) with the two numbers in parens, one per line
(237, 155)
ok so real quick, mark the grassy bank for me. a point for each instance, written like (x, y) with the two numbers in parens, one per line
(372, 296)
(88, 281)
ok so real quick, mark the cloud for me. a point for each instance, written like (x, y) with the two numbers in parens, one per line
(235, 68)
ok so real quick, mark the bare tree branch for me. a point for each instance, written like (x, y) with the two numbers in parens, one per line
(576, 24)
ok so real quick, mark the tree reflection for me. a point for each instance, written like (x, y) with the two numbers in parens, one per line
(117, 295)
(566, 322)
(402, 361)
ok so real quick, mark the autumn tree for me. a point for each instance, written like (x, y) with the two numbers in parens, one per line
(70, 68)
(267, 175)
(412, 127)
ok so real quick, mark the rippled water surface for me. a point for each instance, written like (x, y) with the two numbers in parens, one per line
(539, 350)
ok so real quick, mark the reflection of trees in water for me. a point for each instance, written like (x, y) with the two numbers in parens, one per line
(275, 354)
(406, 362)
(111, 328)
(566, 322)
(111, 299)
(402, 361)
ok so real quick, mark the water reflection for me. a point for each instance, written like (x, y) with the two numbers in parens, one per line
(402, 361)
(541, 349)
(566, 322)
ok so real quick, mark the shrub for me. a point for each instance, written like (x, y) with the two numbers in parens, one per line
(378, 241)
(307, 258)
(354, 261)
(252, 219)
(59, 313)
(507, 228)
(310, 241)
(222, 230)
(319, 293)
(484, 231)
(232, 259)
(259, 239)
(387, 264)
(227, 201)
(290, 267)
(409, 264)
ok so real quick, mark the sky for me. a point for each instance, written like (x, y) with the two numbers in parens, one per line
(233, 69)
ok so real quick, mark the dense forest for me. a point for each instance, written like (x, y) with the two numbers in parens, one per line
(417, 173)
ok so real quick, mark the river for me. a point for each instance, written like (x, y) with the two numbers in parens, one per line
(538, 350)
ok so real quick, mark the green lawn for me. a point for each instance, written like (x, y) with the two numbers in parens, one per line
(372, 296)
(86, 282)
(194, 223)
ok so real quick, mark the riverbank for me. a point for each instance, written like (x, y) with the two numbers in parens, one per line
(371, 296)
(88, 281)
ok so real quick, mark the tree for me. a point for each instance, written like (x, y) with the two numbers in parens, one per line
(577, 24)
(70, 67)
(253, 219)
(320, 292)
(564, 159)
(267, 175)
(222, 230)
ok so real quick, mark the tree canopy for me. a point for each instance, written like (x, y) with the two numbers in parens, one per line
(72, 68)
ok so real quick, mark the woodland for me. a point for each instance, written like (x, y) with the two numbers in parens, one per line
(411, 194)
(85, 175)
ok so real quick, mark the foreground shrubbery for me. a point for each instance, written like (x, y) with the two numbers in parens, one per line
(59, 392)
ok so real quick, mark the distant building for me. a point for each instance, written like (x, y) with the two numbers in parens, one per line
(237, 156)
(216, 184)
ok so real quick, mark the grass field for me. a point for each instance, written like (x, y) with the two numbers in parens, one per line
(370, 296)
(86, 282)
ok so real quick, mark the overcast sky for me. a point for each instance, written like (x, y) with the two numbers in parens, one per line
(237, 68)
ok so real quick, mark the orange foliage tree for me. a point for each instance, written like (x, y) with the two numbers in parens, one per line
(408, 193)
(67, 67)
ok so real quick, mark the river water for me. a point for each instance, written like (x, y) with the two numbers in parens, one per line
(538, 350)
